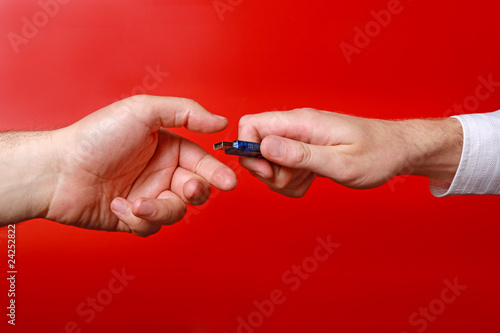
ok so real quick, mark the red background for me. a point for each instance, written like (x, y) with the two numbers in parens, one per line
(398, 242)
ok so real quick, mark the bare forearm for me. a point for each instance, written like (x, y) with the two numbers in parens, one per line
(28, 167)
(432, 147)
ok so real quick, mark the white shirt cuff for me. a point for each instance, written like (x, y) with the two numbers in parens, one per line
(479, 169)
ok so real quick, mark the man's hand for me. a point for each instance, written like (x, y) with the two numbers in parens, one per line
(120, 169)
(355, 152)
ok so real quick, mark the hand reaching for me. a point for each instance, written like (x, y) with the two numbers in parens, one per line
(355, 152)
(120, 169)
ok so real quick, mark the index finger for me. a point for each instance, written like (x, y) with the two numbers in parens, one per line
(255, 127)
(294, 124)
(195, 159)
(305, 125)
(167, 112)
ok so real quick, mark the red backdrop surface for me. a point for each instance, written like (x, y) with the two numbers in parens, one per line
(210, 272)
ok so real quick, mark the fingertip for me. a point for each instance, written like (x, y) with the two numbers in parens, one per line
(248, 128)
(224, 178)
(119, 206)
(130, 221)
(224, 119)
(143, 208)
(273, 147)
(210, 125)
(223, 122)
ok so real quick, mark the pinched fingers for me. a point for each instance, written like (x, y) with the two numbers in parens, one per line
(145, 216)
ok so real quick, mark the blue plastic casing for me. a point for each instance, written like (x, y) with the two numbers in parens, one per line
(239, 148)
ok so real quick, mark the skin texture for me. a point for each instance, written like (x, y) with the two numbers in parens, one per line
(359, 153)
(118, 169)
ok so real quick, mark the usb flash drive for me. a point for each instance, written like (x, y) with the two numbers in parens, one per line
(239, 148)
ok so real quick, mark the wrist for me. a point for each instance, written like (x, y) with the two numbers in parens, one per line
(433, 148)
(28, 174)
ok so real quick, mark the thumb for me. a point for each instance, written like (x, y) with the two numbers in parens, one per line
(299, 155)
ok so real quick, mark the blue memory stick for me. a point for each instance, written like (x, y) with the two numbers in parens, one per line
(239, 148)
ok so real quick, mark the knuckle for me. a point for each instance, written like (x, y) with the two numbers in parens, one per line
(305, 112)
(137, 105)
(303, 156)
(137, 99)
(188, 100)
(245, 120)
(307, 118)
(202, 165)
(189, 103)
(246, 125)
(348, 172)
(141, 96)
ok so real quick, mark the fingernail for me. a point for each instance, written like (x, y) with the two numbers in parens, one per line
(275, 147)
(198, 191)
(146, 209)
(204, 193)
(200, 196)
(119, 206)
(220, 117)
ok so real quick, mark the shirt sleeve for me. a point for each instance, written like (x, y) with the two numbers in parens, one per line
(479, 169)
